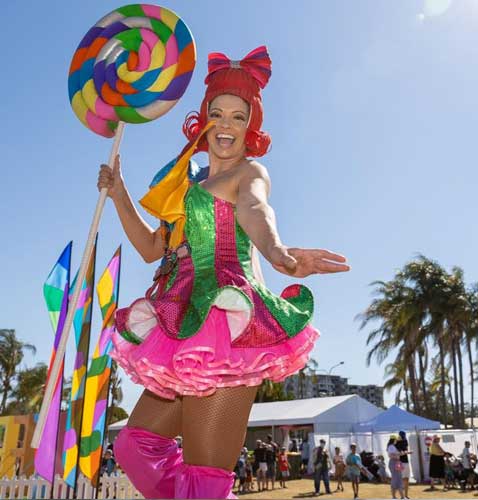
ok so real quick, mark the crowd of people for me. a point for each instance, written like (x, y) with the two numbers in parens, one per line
(452, 471)
(268, 461)
(262, 464)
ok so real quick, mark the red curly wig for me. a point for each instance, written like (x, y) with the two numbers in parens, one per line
(244, 79)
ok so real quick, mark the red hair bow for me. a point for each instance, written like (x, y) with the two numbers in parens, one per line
(257, 63)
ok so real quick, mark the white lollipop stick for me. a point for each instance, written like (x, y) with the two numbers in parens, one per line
(50, 387)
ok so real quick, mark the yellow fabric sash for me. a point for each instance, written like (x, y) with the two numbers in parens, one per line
(165, 200)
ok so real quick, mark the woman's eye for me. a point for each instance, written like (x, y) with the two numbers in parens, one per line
(214, 115)
(240, 117)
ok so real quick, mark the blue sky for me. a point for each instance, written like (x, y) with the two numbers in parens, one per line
(373, 111)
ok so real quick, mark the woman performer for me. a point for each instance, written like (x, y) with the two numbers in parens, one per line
(208, 331)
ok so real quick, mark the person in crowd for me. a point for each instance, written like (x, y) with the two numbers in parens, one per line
(354, 468)
(271, 465)
(305, 456)
(395, 466)
(402, 447)
(284, 467)
(321, 468)
(179, 441)
(249, 475)
(260, 459)
(241, 470)
(273, 443)
(381, 469)
(450, 466)
(467, 462)
(339, 464)
(293, 446)
(255, 453)
(368, 464)
(437, 463)
(108, 464)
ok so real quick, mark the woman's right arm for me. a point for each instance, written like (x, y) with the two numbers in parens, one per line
(148, 242)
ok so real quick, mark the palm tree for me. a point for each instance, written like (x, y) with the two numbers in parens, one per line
(394, 307)
(265, 391)
(271, 391)
(28, 392)
(309, 370)
(11, 355)
(437, 292)
(396, 374)
(435, 387)
(114, 412)
(116, 391)
(471, 335)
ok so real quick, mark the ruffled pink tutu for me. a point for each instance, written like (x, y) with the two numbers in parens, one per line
(198, 365)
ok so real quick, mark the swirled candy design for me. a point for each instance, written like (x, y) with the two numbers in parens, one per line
(133, 66)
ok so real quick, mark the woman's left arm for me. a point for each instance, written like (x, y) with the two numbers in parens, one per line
(258, 220)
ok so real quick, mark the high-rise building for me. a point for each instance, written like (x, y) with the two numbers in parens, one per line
(318, 385)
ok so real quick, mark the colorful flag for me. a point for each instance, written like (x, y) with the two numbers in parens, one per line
(98, 378)
(82, 326)
(55, 291)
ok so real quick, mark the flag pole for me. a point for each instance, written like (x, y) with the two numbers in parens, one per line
(74, 301)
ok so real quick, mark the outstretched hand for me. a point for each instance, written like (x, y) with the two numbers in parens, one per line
(302, 262)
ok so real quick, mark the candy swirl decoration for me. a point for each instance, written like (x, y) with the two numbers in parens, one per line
(133, 66)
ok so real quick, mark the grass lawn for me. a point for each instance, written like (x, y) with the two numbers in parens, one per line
(304, 488)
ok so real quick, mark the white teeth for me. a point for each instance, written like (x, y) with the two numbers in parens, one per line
(225, 136)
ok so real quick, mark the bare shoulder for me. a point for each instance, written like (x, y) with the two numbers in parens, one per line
(254, 182)
(252, 171)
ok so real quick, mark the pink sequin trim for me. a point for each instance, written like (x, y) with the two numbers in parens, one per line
(264, 329)
(198, 365)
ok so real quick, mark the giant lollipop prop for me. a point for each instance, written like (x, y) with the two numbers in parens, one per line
(132, 66)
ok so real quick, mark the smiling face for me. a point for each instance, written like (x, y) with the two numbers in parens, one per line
(227, 139)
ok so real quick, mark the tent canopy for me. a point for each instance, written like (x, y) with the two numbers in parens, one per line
(331, 414)
(395, 419)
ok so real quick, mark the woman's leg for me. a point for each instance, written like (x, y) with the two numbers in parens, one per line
(146, 448)
(157, 415)
(214, 429)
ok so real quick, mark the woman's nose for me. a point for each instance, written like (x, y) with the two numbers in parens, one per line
(224, 122)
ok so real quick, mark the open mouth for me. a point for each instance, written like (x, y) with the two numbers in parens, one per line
(225, 140)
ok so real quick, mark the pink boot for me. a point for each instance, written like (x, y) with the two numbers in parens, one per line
(201, 481)
(150, 461)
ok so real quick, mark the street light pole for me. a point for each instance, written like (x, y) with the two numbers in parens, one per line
(330, 372)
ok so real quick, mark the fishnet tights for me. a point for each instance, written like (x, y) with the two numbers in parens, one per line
(158, 415)
(213, 427)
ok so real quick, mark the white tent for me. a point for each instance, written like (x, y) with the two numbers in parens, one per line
(117, 426)
(333, 414)
(395, 419)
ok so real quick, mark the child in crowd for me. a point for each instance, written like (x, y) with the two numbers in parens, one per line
(339, 464)
(449, 471)
(241, 470)
(284, 467)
